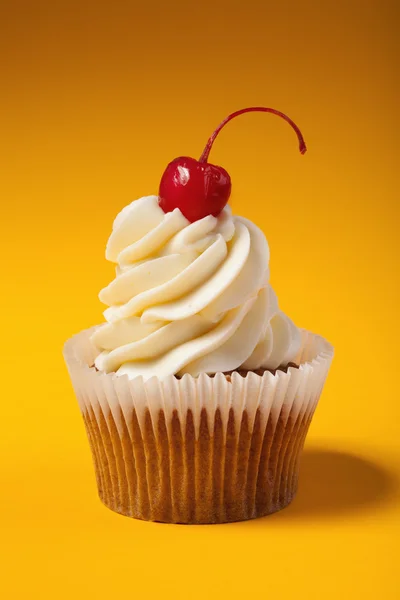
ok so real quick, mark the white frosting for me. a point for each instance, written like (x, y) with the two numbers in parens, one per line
(190, 297)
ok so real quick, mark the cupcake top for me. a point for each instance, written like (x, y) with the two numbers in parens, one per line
(190, 297)
(191, 292)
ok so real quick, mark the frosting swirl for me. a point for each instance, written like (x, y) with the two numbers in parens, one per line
(189, 297)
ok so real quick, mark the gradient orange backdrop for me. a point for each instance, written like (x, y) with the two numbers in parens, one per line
(96, 98)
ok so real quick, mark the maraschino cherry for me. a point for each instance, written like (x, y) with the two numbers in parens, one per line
(199, 188)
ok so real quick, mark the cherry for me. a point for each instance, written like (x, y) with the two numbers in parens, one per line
(199, 188)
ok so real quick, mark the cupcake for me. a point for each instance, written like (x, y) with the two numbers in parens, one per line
(197, 391)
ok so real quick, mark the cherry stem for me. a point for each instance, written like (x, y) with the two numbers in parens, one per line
(207, 149)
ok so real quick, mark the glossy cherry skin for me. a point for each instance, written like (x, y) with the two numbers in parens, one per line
(197, 188)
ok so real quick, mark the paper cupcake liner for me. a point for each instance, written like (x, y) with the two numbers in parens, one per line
(198, 450)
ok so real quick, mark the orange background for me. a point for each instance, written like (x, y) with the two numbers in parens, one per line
(96, 98)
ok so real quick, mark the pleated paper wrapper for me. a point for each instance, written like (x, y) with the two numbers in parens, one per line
(210, 449)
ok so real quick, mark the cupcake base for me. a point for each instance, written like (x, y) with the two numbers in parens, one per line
(211, 449)
(213, 479)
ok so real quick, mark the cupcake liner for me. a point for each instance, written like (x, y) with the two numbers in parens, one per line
(210, 449)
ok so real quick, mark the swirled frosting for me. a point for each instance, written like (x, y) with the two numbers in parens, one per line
(189, 297)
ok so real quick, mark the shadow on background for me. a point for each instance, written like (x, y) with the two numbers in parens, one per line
(332, 483)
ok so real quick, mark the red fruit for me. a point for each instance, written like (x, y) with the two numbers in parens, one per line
(199, 188)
